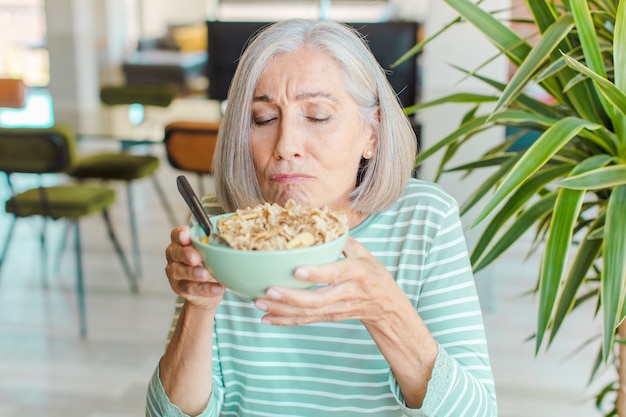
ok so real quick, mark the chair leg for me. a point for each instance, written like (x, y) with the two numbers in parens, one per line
(132, 278)
(62, 245)
(7, 241)
(134, 235)
(44, 252)
(164, 201)
(80, 287)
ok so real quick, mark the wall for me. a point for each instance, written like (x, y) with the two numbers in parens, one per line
(461, 45)
(466, 47)
(83, 45)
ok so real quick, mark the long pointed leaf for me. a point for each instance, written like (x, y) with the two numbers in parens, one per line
(497, 33)
(566, 210)
(613, 268)
(586, 254)
(588, 36)
(521, 196)
(619, 59)
(487, 185)
(619, 47)
(517, 229)
(525, 101)
(616, 97)
(607, 177)
(543, 13)
(535, 157)
(451, 138)
(535, 59)
(461, 98)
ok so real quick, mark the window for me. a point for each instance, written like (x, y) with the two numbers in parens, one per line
(22, 41)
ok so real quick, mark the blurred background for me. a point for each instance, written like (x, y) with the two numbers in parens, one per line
(65, 51)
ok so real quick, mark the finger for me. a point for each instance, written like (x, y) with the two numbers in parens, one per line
(353, 248)
(336, 272)
(330, 273)
(186, 254)
(177, 271)
(286, 307)
(192, 289)
(181, 235)
(320, 274)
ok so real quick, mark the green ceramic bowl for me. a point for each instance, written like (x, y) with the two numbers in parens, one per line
(250, 273)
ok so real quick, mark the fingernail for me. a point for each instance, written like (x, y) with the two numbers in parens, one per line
(301, 273)
(194, 258)
(273, 294)
(260, 305)
(199, 272)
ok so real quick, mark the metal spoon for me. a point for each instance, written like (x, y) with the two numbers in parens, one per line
(195, 206)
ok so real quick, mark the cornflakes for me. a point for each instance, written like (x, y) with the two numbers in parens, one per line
(272, 227)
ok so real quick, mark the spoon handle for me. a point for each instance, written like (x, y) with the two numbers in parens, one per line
(194, 204)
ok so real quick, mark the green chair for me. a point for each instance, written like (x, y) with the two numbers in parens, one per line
(124, 166)
(53, 151)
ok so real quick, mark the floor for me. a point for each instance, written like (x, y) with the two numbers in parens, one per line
(46, 369)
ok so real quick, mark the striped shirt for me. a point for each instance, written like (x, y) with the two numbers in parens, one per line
(336, 368)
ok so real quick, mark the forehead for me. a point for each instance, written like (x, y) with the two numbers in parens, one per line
(300, 69)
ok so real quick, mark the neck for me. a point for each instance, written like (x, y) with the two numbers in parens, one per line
(355, 218)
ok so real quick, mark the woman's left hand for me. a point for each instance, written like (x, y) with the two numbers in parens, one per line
(358, 288)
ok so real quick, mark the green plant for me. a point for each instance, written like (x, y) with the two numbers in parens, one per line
(570, 184)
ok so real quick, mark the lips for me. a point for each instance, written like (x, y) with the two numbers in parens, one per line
(290, 178)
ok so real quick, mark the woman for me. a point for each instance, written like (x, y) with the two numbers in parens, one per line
(397, 330)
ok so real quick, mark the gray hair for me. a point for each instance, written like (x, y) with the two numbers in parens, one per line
(381, 179)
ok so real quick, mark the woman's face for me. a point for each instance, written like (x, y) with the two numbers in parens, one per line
(306, 137)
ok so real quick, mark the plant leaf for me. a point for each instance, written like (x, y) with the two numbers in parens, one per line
(487, 185)
(613, 268)
(521, 196)
(538, 210)
(616, 97)
(607, 177)
(585, 256)
(535, 59)
(523, 100)
(619, 60)
(451, 138)
(619, 46)
(587, 35)
(460, 98)
(500, 35)
(566, 211)
(535, 157)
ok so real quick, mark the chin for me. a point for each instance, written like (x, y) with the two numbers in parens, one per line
(282, 197)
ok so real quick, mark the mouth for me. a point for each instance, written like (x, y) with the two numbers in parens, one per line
(290, 178)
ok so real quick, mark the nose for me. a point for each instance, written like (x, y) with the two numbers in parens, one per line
(289, 142)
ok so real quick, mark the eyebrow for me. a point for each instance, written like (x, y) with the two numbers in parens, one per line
(299, 97)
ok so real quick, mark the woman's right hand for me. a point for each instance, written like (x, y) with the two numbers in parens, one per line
(187, 275)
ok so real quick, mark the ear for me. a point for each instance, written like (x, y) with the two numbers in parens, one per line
(370, 145)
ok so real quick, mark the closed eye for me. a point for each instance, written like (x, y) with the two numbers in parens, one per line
(263, 122)
(319, 119)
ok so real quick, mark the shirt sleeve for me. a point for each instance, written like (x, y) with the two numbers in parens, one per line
(461, 383)
(159, 405)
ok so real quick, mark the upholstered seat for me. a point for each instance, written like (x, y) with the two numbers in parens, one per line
(68, 201)
(116, 166)
(53, 151)
(190, 147)
(123, 166)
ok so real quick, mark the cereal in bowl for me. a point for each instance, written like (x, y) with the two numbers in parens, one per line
(273, 227)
